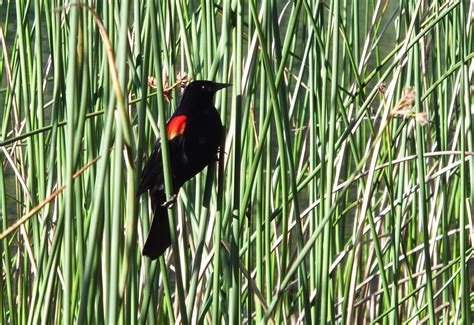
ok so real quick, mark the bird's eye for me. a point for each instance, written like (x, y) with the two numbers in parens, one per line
(203, 87)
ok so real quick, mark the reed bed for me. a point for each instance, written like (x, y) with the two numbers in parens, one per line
(345, 186)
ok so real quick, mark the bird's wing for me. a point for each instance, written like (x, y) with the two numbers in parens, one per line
(176, 126)
(152, 174)
(153, 170)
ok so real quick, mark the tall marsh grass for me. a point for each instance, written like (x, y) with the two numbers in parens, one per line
(345, 187)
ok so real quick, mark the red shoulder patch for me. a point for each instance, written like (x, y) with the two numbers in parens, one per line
(176, 126)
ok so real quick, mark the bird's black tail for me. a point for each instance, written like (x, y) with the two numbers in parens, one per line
(159, 238)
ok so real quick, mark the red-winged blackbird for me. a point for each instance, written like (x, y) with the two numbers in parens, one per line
(194, 134)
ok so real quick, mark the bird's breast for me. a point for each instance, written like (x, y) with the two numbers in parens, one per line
(202, 138)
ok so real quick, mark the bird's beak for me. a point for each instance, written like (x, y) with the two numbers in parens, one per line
(219, 86)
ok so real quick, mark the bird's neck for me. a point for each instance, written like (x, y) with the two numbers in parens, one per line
(193, 105)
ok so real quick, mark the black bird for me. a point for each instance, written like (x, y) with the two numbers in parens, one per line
(194, 134)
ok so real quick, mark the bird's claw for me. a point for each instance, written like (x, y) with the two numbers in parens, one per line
(171, 202)
(219, 153)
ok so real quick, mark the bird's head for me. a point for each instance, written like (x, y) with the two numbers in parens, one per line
(205, 87)
(201, 92)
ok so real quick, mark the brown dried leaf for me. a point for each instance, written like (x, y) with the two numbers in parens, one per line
(182, 79)
(151, 82)
(421, 118)
(405, 104)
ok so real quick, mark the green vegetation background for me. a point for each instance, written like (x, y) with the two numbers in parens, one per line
(345, 189)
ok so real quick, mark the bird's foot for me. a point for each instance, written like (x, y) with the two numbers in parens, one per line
(171, 202)
(220, 152)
